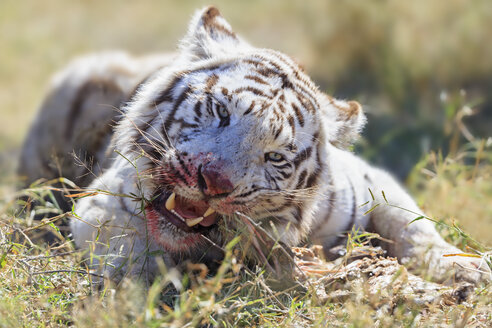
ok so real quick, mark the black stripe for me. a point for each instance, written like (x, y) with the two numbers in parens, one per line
(313, 177)
(256, 79)
(285, 175)
(246, 194)
(253, 90)
(277, 133)
(297, 214)
(183, 166)
(167, 94)
(283, 166)
(302, 156)
(250, 108)
(300, 179)
(298, 113)
(292, 124)
(270, 179)
(198, 109)
(182, 97)
(354, 206)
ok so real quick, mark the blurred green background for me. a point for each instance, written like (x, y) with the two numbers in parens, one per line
(415, 65)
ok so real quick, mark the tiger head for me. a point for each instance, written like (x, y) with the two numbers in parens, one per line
(231, 130)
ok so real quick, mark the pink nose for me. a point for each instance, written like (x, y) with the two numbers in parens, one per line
(215, 181)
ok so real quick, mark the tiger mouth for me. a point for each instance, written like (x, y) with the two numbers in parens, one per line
(187, 215)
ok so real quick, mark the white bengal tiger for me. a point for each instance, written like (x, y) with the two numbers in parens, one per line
(218, 138)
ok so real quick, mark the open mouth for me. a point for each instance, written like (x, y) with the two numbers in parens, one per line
(187, 215)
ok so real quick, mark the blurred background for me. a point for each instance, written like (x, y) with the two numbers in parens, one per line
(422, 69)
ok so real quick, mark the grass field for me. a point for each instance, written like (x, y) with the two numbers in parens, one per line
(418, 68)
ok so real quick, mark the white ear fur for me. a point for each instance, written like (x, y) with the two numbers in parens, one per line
(210, 35)
(342, 121)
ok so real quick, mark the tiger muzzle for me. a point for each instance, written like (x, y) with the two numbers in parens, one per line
(212, 179)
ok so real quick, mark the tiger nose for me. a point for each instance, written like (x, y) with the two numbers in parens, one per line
(212, 180)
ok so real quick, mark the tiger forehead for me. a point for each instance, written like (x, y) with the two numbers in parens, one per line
(264, 86)
(276, 94)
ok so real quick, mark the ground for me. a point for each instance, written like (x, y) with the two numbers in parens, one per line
(419, 108)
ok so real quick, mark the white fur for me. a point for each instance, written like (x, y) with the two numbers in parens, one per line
(114, 228)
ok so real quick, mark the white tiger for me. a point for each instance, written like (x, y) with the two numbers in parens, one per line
(221, 137)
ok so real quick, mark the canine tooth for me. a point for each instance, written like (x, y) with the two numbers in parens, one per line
(170, 202)
(192, 222)
(208, 212)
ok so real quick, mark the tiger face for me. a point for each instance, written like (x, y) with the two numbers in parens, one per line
(231, 129)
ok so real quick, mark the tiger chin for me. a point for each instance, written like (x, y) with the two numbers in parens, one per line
(218, 140)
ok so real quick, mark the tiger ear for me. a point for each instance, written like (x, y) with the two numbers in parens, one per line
(210, 35)
(342, 121)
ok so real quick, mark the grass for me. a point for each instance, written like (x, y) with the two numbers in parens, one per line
(393, 56)
(42, 286)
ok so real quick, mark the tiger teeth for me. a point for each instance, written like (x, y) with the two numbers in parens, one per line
(193, 222)
(171, 202)
(209, 212)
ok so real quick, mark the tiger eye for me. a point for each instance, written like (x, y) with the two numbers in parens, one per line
(274, 157)
(223, 112)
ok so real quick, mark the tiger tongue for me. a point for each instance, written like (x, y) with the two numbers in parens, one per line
(190, 210)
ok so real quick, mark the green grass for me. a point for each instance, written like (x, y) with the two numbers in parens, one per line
(42, 286)
(395, 57)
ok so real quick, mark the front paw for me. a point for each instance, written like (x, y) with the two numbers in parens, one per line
(465, 268)
(453, 265)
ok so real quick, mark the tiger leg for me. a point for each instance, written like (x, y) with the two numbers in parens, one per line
(417, 242)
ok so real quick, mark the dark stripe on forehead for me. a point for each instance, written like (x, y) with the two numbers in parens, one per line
(263, 108)
(253, 90)
(307, 104)
(286, 83)
(281, 106)
(298, 114)
(292, 124)
(295, 70)
(250, 108)
(299, 84)
(251, 62)
(226, 94)
(211, 82)
(256, 79)
(277, 132)
(261, 68)
(267, 72)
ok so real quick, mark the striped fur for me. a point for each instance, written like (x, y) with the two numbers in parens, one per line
(243, 131)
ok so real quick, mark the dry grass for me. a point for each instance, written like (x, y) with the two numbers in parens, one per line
(394, 56)
(43, 286)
